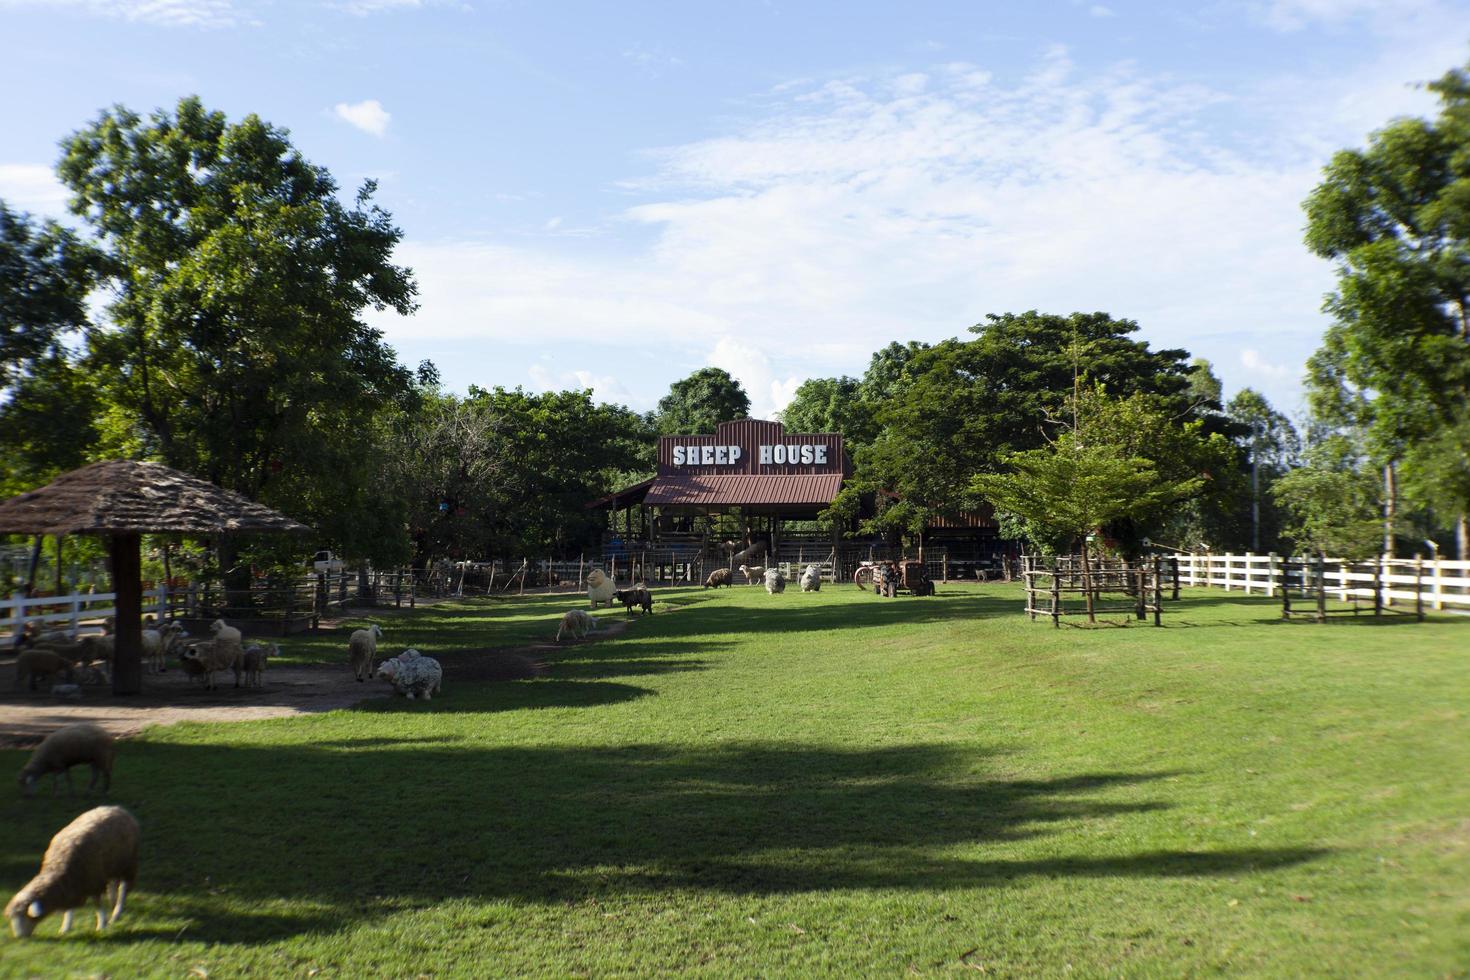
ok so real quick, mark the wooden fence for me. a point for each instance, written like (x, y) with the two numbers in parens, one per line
(1441, 584)
(1054, 585)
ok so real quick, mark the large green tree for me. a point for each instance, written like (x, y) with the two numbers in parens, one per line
(507, 474)
(1272, 448)
(832, 405)
(958, 408)
(698, 403)
(48, 423)
(1394, 217)
(47, 407)
(46, 273)
(236, 347)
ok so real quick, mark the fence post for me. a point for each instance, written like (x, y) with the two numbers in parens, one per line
(1250, 567)
(76, 614)
(1158, 595)
(20, 621)
(1438, 592)
(1322, 586)
(1377, 588)
(1285, 589)
(1271, 574)
(1419, 587)
(1056, 596)
(1138, 611)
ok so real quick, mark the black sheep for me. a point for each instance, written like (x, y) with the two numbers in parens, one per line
(637, 596)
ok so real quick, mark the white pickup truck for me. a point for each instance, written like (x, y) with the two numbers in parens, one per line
(325, 561)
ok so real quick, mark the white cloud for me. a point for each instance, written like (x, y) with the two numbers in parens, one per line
(861, 211)
(166, 13)
(365, 8)
(1252, 360)
(750, 366)
(653, 60)
(1099, 10)
(605, 388)
(32, 187)
(1294, 15)
(367, 115)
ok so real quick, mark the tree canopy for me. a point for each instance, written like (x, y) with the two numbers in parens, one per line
(698, 403)
(960, 407)
(235, 347)
(1394, 217)
(46, 273)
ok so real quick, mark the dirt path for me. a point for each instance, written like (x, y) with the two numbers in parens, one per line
(169, 698)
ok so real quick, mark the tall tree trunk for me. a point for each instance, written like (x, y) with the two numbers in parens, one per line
(1462, 538)
(236, 576)
(1255, 500)
(1390, 507)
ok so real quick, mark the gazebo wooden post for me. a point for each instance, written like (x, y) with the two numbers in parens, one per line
(125, 556)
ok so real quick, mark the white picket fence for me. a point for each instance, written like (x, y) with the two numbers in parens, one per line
(71, 613)
(1443, 583)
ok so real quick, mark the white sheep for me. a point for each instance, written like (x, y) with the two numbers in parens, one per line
(411, 673)
(208, 656)
(159, 643)
(254, 661)
(600, 588)
(71, 745)
(576, 622)
(753, 573)
(811, 579)
(362, 650)
(775, 581)
(90, 859)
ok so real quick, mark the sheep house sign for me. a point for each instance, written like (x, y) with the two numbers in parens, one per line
(751, 447)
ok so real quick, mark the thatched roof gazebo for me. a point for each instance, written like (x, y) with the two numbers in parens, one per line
(123, 500)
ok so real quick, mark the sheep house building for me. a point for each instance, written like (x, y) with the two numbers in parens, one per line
(753, 485)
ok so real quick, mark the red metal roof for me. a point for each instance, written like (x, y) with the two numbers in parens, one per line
(744, 490)
(626, 497)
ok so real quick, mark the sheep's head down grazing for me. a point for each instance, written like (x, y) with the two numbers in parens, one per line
(23, 921)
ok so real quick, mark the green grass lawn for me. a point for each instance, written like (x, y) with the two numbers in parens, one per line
(811, 784)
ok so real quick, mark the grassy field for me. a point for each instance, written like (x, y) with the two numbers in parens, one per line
(819, 784)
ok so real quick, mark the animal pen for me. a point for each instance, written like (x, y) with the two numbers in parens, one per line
(1069, 585)
(1306, 580)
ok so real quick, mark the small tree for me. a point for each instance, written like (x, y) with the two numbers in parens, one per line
(1071, 488)
(1331, 510)
(1086, 478)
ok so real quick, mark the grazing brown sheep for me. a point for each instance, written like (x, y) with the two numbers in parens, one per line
(89, 859)
(71, 745)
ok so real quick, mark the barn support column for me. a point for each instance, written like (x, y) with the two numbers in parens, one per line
(125, 557)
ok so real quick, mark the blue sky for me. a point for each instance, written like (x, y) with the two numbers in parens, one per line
(611, 195)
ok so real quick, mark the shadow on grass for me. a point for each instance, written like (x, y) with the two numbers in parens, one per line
(519, 696)
(433, 822)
